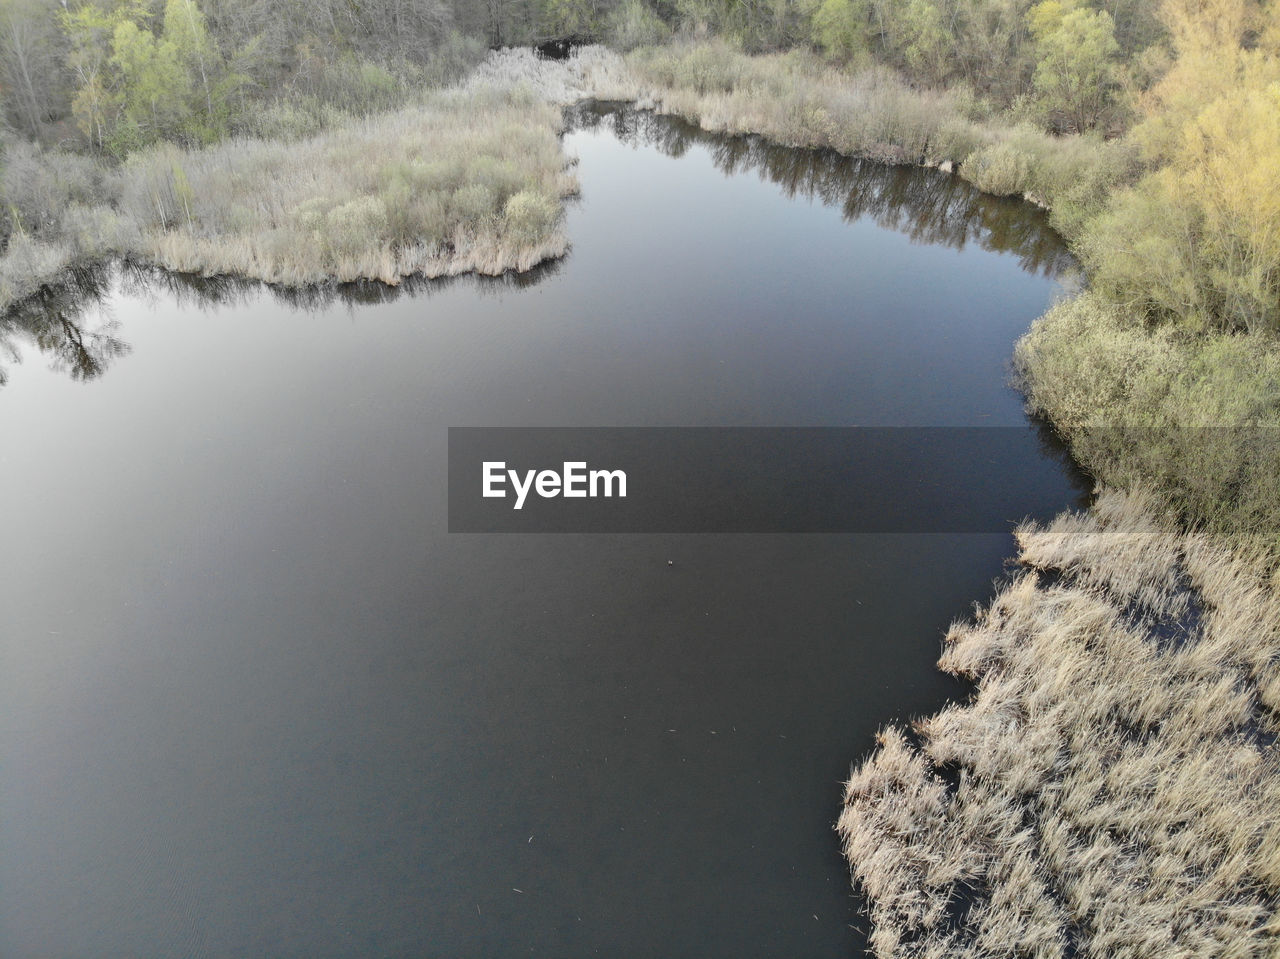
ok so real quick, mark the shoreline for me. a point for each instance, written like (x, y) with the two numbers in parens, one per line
(184, 244)
(1036, 843)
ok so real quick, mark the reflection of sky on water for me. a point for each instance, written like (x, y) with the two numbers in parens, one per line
(255, 700)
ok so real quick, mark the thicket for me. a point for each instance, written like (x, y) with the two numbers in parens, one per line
(1195, 416)
(979, 83)
(1178, 334)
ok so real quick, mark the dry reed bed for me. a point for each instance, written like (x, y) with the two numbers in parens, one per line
(1111, 789)
(471, 178)
(796, 100)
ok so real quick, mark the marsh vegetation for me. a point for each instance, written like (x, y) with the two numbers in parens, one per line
(243, 658)
(1110, 788)
(463, 181)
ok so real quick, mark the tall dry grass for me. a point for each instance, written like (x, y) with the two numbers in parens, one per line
(469, 178)
(797, 100)
(1111, 788)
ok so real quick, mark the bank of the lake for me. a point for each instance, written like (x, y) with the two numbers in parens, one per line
(1052, 815)
(468, 178)
(963, 837)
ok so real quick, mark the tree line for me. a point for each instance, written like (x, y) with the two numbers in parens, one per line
(114, 75)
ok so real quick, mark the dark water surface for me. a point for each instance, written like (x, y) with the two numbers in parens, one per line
(256, 701)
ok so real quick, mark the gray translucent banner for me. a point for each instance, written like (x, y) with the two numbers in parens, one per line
(756, 480)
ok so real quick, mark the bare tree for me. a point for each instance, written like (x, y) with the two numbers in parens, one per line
(31, 48)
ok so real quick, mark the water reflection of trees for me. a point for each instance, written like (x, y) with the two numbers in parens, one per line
(1054, 448)
(71, 323)
(208, 292)
(926, 205)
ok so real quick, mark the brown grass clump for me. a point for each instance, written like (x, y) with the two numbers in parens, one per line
(1111, 789)
(469, 180)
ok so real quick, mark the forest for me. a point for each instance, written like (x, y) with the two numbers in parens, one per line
(115, 76)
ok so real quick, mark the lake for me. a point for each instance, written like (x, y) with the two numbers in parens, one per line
(256, 700)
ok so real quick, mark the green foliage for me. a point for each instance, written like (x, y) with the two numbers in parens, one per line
(213, 84)
(841, 27)
(95, 103)
(139, 81)
(1077, 73)
(1197, 242)
(154, 87)
(927, 43)
(1194, 416)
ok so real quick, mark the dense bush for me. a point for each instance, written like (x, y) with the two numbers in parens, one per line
(1197, 417)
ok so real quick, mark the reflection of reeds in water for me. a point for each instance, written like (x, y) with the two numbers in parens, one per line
(1111, 789)
(797, 100)
(925, 205)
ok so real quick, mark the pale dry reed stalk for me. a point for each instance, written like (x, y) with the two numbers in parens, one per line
(1112, 788)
